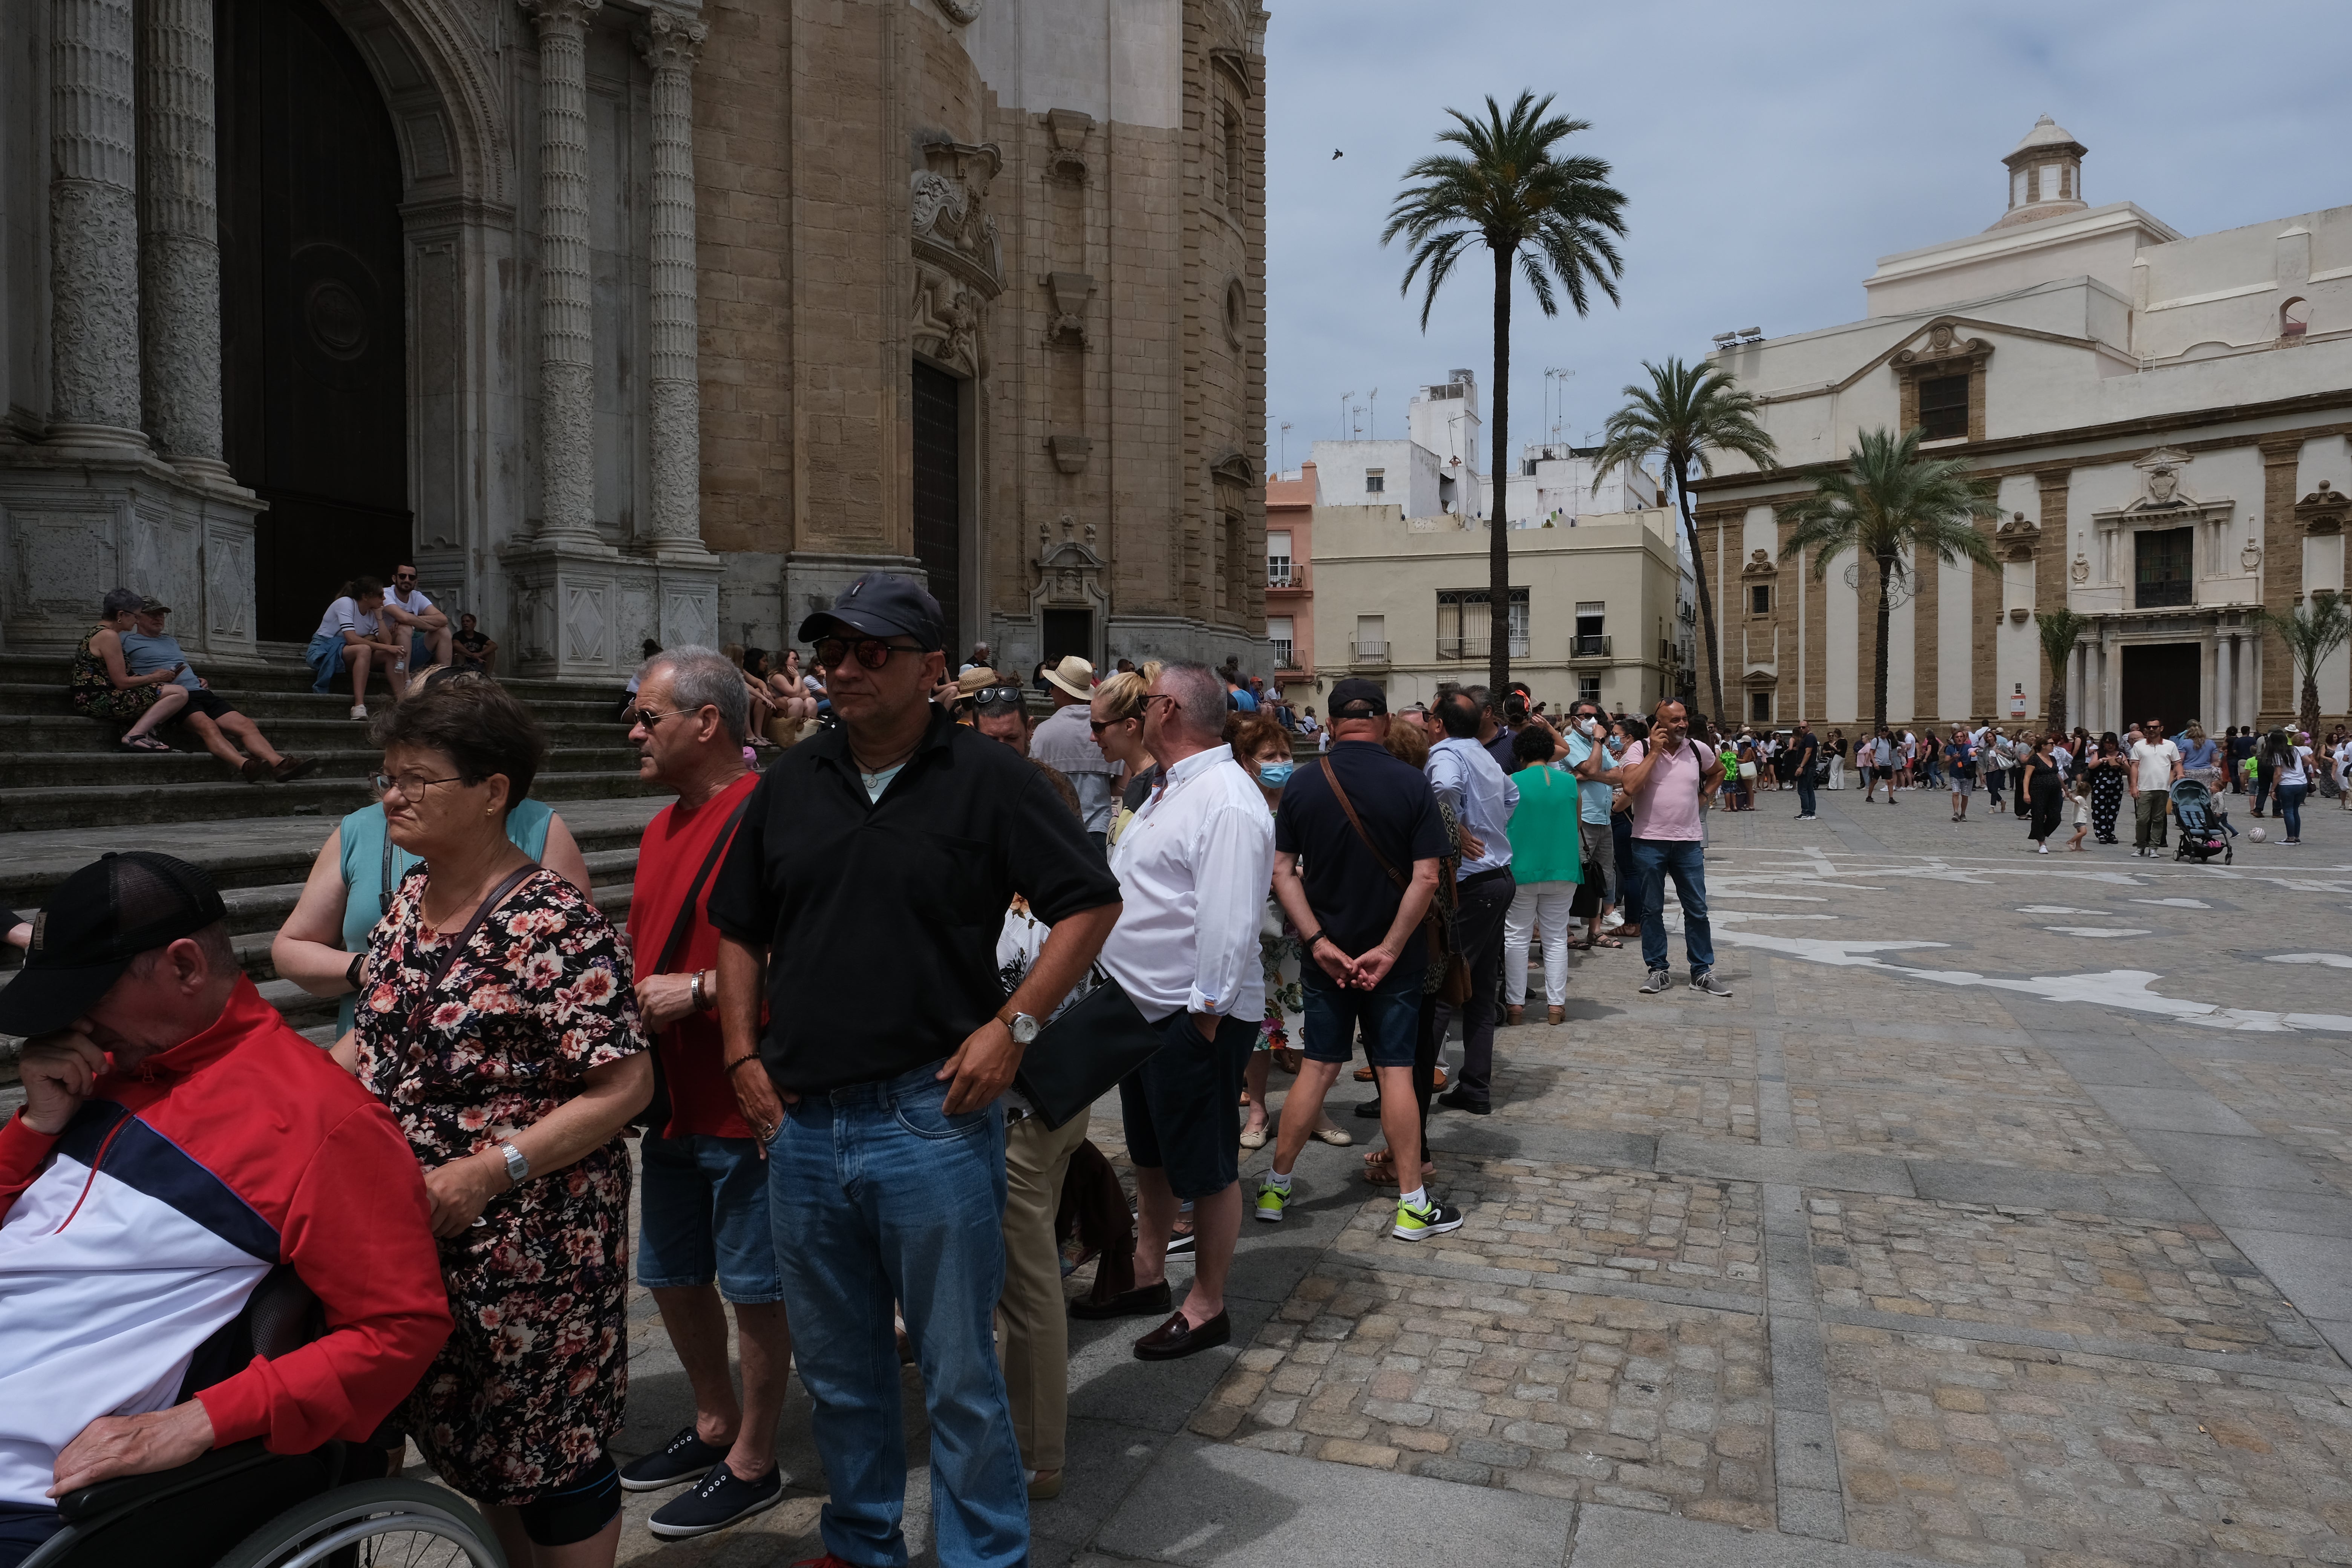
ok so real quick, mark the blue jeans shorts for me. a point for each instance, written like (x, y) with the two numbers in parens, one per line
(1389, 1014)
(703, 1214)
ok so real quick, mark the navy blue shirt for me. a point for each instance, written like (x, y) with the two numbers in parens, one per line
(1349, 893)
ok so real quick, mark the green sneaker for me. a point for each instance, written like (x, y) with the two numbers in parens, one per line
(1271, 1201)
(1432, 1218)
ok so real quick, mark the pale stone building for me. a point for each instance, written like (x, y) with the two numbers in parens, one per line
(2166, 417)
(631, 320)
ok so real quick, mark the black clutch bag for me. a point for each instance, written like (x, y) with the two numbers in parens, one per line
(1078, 1058)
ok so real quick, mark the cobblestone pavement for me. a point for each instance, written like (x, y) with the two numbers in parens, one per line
(2003, 1215)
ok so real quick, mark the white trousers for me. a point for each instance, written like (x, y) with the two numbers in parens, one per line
(1837, 773)
(1544, 904)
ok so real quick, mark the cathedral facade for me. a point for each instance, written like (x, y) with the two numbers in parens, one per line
(629, 321)
(2167, 419)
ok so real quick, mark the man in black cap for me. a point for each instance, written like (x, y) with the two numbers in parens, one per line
(864, 890)
(178, 1142)
(1356, 843)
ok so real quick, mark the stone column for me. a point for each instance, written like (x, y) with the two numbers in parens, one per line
(179, 236)
(2225, 655)
(93, 224)
(567, 471)
(671, 45)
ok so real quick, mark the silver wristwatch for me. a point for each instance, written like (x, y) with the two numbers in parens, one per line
(517, 1166)
(1023, 1027)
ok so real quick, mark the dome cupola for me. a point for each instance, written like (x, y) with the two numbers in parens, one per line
(2045, 175)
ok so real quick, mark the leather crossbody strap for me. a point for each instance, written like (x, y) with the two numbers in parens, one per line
(1357, 823)
(684, 925)
(482, 913)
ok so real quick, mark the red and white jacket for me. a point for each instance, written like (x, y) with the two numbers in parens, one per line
(130, 1238)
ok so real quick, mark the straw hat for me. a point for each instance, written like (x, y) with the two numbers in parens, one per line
(1074, 676)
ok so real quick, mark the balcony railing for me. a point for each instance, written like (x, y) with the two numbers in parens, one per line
(1476, 647)
(1367, 653)
(1281, 653)
(1277, 574)
(1588, 647)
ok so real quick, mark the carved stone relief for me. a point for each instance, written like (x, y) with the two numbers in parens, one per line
(2162, 487)
(1066, 130)
(962, 12)
(2324, 511)
(946, 321)
(953, 230)
(1071, 291)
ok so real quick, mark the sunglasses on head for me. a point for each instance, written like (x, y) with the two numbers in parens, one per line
(997, 697)
(872, 652)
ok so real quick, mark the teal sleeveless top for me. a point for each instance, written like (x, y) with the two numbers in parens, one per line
(373, 866)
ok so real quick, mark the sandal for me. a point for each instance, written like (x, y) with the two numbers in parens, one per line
(1287, 1058)
(141, 743)
(1606, 941)
(1576, 946)
(1379, 1168)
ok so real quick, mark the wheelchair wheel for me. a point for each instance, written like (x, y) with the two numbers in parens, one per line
(375, 1524)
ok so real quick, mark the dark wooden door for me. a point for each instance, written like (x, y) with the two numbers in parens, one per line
(938, 494)
(314, 354)
(2161, 680)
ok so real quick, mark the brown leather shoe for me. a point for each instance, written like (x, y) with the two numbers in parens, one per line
(294, 767)
(1152, 1299)
(1364, 1074)
(1555, 1015)
(1436, 1080)
(1514, 1015)
(1176, 1338)
(254, 771)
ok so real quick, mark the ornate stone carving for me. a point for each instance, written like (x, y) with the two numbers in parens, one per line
(1071, 291)
(945, 321)
(670, 46)
(93, 221)
(1759, 563)
(2251, 557)
(953, 230)
(1234, 467)
(567, 472)
(1070, 452)
(1069, 571)
(2323, 511)
(179, 228)
(962, 12)
(2017, 537)
(1065, 131)
(1944, 352)
(2162, 487)
(2080, 570)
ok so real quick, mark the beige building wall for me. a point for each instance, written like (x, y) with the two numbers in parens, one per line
(1373, 563)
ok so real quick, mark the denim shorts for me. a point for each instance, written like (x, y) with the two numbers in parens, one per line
(703, 1214)
(1390, 1016)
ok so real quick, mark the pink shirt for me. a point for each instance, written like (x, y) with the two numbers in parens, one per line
(1668, 807)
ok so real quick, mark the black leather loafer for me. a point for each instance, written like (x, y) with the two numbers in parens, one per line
(1132, 1303)
(1176, 1338)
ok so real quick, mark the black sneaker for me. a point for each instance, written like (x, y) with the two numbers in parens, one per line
(723, 1498)
(684, 1457)
(1179, 1245)
(1369, 1110)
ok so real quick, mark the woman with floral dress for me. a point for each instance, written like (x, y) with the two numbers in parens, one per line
(1262, 747)
(496, 1021)
(102, 686)
(2107, 775)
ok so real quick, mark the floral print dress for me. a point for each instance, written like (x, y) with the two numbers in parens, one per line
(529, 1387)
(94, 692)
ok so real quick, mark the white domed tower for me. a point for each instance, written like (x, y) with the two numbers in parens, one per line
(2045, 175)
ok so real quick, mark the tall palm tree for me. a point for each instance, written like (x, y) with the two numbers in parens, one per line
(1887, 504)
(2061, 630)
(2311, 630)
(1537, 208)
(1687, 414)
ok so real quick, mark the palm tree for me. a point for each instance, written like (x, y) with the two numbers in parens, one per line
(1887, 504)
(1687, 414)
(2061, 630)
(2311, 630)
(1536, 208)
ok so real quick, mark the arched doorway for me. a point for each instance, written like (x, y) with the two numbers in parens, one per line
(314, 356)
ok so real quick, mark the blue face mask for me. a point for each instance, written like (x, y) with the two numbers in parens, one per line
(1273, 775)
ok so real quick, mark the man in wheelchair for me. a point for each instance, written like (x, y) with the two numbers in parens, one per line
(178, 1142)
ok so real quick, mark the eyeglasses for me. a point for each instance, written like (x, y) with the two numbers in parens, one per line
(873, 653)
(997, 697)
(1151, 697)
(412, 787)
(1099, 725)
(649, 717)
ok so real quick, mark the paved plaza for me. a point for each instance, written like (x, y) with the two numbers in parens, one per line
(2003, 1215)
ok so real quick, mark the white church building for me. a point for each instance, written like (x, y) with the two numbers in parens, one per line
(2166, 416)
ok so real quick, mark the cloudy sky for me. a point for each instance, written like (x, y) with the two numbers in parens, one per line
(1769, 154)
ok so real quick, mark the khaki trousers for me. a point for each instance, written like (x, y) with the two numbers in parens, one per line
(1033, 1324)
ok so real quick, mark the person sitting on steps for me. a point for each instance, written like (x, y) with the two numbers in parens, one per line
(102, 686)
(355, 635)
(221, 729)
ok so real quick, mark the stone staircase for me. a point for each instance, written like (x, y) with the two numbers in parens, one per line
(67, 796)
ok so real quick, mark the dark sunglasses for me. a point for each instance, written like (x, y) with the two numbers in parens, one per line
(997, 697)
(872, 652)
(1099, 725)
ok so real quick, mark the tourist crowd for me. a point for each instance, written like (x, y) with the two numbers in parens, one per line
(889, 941)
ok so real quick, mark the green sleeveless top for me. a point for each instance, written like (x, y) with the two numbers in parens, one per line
(1544, 846)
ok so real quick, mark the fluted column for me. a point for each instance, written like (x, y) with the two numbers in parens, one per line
(179, 236)
(567, 359)
(671, 45)
(93, 224)
(2225, 696)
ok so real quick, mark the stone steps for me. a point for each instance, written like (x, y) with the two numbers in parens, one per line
(266, 707)
(59, 769)
(26, 809)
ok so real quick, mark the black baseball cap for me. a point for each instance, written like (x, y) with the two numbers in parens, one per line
(882, 604)
(1356, 698)
(102, 917)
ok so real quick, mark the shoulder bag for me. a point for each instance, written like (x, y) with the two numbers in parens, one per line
(482, 913)
(1083, 1053)
(657, 1114)
(1454, 988)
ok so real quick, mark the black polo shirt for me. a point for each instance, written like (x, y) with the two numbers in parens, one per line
(1354, 898)
(880, 918)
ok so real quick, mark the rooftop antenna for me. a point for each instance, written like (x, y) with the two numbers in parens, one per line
(1343, 413)
(1375, 396)
(1285, 466)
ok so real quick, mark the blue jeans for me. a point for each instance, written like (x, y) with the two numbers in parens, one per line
(1805, 791)
(1684, 859)
(877, 1194)
(2290, 807)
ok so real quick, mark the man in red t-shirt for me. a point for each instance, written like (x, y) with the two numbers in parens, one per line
(703, 1233)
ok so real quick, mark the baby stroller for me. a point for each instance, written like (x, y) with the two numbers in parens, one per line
(2204, 827)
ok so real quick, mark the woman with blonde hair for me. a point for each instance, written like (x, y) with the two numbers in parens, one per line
(1116, 721)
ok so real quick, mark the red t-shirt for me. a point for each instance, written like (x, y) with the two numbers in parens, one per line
(675, 844)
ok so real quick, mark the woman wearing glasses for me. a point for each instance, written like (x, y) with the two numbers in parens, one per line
(323, 944)
(499, 1028)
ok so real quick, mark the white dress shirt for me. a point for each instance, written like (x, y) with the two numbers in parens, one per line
(1467, 777)
(1193, 866)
